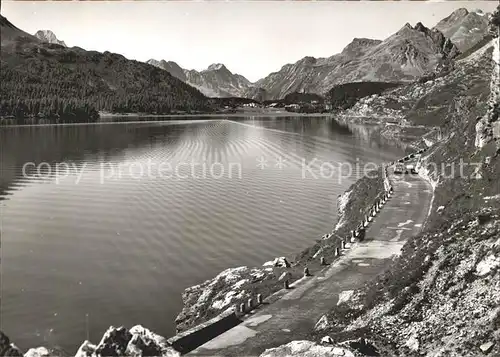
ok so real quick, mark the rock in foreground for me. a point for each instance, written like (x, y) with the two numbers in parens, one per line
(138, 341)
(232, 286)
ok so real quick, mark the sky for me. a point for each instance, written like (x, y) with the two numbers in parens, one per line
(252, 38)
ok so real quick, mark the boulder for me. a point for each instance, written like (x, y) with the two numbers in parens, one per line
(487, 347)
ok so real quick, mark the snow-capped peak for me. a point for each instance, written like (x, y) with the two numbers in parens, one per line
(216, 67)
(49, 37)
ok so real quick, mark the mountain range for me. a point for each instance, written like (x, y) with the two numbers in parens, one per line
(40, 65)
(402, 57)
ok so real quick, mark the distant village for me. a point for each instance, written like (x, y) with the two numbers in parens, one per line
(313, 106)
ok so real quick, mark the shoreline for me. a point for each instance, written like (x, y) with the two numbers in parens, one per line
(104, 119)
(297, 275)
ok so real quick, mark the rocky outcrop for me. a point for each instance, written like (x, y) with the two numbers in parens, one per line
(138, 341)
(228, 289)
(10, 33)
(48, 37)
(116, 341)
(215, 81)
(7, 348)
(171, 67)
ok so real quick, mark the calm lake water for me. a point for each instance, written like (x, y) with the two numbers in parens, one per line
(118, 242)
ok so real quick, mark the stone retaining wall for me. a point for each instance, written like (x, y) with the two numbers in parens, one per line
(190, 339)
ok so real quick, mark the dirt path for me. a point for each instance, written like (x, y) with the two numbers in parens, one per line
(296, 313)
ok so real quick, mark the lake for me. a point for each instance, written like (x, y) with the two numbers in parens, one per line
(107, 224)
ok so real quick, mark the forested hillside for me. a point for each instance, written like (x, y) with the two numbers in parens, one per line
(42, 81)
(346, 95)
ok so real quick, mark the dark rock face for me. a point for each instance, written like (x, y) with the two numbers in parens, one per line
(8, 349)
(114, 343)
(49, 37)
(212, 297)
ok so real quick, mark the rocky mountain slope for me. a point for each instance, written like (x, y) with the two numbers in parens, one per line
(49, 37)
(403, 57)
(215, 81)
(464, 28)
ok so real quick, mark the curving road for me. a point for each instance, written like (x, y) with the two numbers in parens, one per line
(296, 313)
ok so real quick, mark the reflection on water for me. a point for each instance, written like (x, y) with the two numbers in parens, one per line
(121, 248)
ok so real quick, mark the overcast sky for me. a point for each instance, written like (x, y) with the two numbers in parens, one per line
(250, 38)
